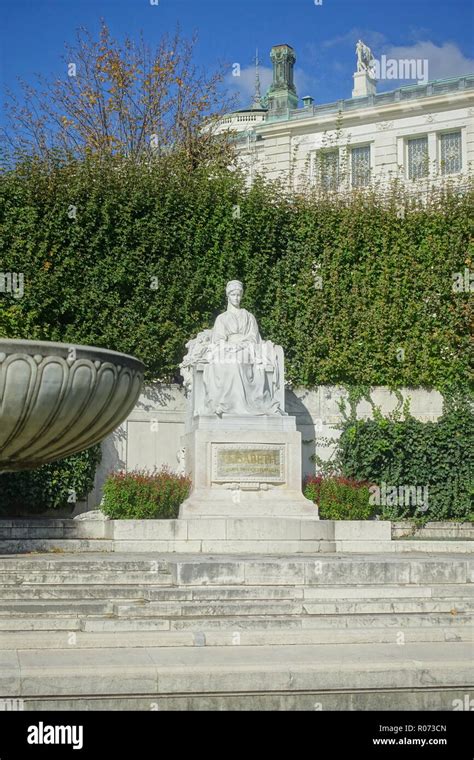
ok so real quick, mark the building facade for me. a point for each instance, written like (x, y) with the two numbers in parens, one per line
(416, 132)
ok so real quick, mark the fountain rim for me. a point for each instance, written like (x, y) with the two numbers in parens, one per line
(51, 348)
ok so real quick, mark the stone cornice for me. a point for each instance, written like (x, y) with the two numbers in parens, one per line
(388, 112)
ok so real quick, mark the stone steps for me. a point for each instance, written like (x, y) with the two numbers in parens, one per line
(22, 640)
(98, 623)
(150, 592)
(53, 579)
(40, 608)
(434, 530)
(195, 570)
(74, 592)
(424, 698)
(121, 631)
(208, 609)
(284, 607)
(244, 606)
(219, 534)
(418, 675)
(18, 546)
(53, 545)
(34, 529)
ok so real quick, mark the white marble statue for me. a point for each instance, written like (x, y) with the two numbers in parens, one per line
(364, 57)
(241, 373)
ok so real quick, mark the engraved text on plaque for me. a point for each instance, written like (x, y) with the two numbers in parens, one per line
(251, 462)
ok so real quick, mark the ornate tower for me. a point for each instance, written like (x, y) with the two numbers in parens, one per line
(282, 91)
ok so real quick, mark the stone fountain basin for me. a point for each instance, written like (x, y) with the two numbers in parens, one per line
(57, 399)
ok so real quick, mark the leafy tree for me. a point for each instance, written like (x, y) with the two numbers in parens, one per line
(122, 99)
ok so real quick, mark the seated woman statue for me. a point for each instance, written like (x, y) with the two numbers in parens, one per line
(241, 372)
(235, 380)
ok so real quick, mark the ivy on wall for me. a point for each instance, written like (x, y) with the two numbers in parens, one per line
(420, 469)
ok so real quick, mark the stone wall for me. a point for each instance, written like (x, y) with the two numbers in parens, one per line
(151, 435)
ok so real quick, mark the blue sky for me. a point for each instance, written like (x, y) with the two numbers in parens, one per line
(33, 34)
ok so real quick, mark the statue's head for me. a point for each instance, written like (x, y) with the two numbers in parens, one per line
(234, 290)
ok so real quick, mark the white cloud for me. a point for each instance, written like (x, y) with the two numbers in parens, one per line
(244, 85)
(444, 61)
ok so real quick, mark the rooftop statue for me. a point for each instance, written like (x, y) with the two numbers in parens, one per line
(364, 57)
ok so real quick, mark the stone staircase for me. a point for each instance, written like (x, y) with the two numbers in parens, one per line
(223, 535)
(112, 631)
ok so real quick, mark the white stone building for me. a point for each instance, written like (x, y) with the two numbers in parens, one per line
(416, 132)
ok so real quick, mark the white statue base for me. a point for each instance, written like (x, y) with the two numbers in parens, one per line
(363, 85)
(245, 467)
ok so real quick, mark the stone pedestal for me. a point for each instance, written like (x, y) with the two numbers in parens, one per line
(364, 85)
(245, 467)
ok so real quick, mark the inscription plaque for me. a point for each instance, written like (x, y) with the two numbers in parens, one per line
(251, 463)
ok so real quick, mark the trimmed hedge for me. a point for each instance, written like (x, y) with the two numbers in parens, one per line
(53, 486)
(135, 258)
(339, 498)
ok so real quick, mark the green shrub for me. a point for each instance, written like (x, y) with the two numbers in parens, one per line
(436, 456)
(53, 486)
(141, 495)
(144, 239)
(339, 498)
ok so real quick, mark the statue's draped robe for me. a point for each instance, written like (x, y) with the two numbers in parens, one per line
(235, 382)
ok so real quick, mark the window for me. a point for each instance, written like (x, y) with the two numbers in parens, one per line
(450, 153)
(328, 169)
(360, 166)
(417, 157)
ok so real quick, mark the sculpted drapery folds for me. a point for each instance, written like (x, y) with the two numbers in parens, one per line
(241, 371)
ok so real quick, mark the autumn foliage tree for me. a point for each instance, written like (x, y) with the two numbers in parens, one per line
(122, 99)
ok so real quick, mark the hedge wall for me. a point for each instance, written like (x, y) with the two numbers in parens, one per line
(136, 259)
